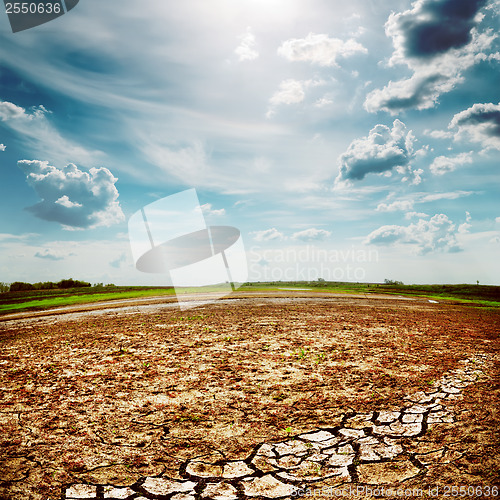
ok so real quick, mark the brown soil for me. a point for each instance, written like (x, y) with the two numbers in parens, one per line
(112, 398)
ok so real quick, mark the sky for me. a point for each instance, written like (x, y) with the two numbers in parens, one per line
(349, 141)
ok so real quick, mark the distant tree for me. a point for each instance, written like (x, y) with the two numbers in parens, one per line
(4, 287)
(71, 283)
(393, 282)
(20, 286)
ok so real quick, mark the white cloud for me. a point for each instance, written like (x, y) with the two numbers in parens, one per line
(410, 215)
(425, 236)
(323, 102)
(72, 197)
(208, 210)
(246, 49)
(438, 40)
(381, 151)
(311, 234)
(451, 195)
(480, 123)
(291, 92)
(49, 255)
(464, 227)
(268, 235)
(34, 127)
(9, 111)
(443, 164)
(395, 206)
(2, 147)
(319, 49)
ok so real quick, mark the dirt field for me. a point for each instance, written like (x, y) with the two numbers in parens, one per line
(119, 397)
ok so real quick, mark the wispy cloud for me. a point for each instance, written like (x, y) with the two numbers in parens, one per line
(311, 234)
(43, 138)
(246, 49)
(268, 235)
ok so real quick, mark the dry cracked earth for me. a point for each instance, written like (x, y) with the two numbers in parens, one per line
(262, 397)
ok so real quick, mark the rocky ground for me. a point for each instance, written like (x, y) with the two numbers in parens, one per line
(257, 397)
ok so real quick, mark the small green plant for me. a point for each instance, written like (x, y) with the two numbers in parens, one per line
(302, 353)
(288, 430)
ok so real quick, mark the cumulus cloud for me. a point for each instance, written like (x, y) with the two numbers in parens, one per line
(9, 111)
(480, 123)
(291, 92)
(434, 27)
(438, 40)
(444, 164)
(311, 234)
(438, 234)
(208, 210)
(268, 235)
(246, 49)
(2, 147)
(395, 206)
(381, 151)
(319, 49)
(49, 255)
(72, 197)
(465, 226)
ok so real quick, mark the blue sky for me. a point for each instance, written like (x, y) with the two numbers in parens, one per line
(354, 141)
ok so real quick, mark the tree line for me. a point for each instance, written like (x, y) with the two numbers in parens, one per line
(20, 286)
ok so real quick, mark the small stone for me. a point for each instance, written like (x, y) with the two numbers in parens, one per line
(267, 486)
(159, 486)
(236, 469)
(220, 491)
(81, 491)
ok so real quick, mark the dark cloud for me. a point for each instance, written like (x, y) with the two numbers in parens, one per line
(438, 26)
(479, 123)
(71, 196)
(382, 150)
(48, 255)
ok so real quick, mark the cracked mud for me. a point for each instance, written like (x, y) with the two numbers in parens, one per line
(258, 400)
